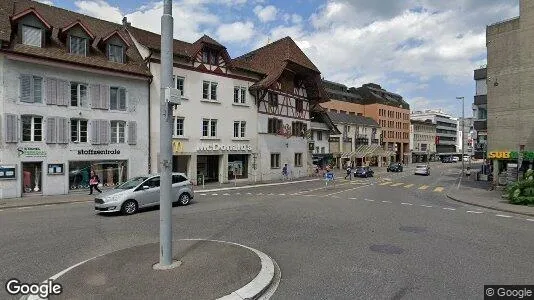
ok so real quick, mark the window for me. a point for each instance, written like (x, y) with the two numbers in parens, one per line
(319, 135)
(209, 90)
(209, 128)
(298, 128)
(31, 89)
(178, 126)
(117, 132)
(152, 182)
(78, 131)
(322, 150)
(179, 83)
(275, 160)
(299, 105)
(209, 57)
(117, 98)
(273, 99)
(178, 179)
(274, 125)
(115, 53)
(240, 94)
(31, 36)
(78, 94)
(78, 45)
(32, 129)
(239, 129)
(298, 159)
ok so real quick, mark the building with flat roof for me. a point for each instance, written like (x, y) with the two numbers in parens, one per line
(480, 114)
(446, 130)
(423, 140)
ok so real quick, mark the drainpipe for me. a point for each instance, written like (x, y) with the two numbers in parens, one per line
(149, 120)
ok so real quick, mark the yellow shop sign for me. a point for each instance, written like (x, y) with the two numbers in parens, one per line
(527, 155)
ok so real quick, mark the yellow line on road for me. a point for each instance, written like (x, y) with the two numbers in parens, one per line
(408, 185)
(438, 189)
(386, 183)
(397, 184)
(424, 187)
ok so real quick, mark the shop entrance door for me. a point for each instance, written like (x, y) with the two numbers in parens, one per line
(32, 175)
(208, 166)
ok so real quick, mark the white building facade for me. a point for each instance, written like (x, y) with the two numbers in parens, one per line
(67, 115)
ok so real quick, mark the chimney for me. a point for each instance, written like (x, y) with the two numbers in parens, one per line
(125, 22)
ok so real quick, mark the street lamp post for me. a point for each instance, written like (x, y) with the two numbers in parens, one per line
(463, 128)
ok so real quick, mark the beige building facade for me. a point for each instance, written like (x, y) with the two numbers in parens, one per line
(422, 140)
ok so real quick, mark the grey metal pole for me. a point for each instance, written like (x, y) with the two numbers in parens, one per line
(463, 128)
(165, 213)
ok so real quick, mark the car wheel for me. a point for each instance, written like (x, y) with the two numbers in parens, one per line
(184, 199)
(129, 207)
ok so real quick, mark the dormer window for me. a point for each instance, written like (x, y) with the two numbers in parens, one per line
(32, 36)
(209, 57)
(116, 53)
(78, 45)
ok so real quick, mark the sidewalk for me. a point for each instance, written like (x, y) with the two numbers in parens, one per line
(204, 269)
(476, 193)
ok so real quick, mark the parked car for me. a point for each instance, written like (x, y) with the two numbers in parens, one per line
(363, 172)
(447, 160)
(394, 167)
(422, 170)
(466, 157)
(455, 159)
(143, 191)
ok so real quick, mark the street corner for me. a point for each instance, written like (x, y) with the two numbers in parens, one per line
(205, 269)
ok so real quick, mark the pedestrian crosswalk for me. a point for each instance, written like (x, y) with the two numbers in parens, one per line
(391, 183)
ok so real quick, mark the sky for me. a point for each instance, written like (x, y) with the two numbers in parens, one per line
(424, 50)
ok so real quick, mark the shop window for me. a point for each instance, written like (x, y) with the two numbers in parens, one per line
(240, 94)
(32, 128)
(209, 128)
(78, 94)
(117, 98)
(31, 89)
(32, 177)
(298, 160)
(110, 173)
(178, 83)
(78, 131)
(117, 132)
(178, 126)
(275, 160)
(238, 166)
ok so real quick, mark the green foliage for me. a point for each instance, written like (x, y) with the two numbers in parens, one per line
(521, 192)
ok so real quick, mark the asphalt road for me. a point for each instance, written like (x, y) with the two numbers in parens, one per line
(389, 237)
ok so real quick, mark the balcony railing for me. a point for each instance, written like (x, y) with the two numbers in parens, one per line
(480, 125)
(481, 99)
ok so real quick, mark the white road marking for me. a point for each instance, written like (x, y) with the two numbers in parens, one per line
(25, 207)
(214, 194)
(385, 201)
(47, 205)
(336, 197)
(370, 200)
(202, 194)
(424, 187)
(424, 205)
(1, 210)
(503, 216)
(226, 194)
(249, 193)
(353, 198)
(404, 203)
(294, 194)
(408, 185)
(238, 193)
(448, 208)
(438, 189)
(473, 212)
(531, 220)
(281, 194)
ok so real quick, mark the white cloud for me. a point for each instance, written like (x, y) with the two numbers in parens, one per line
(267, 13)
(235, 32)
(48, 2)
(99, 9)
(296, 18)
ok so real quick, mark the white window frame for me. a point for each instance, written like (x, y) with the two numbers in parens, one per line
(240, 130)
(78, 40)
(241, 94)
(111, 55)
(276, 160)
(116, 138)
(175, 83)
(210, 95)
(26, 42)
(175, 126)
(118, 108)
(79, 130)
(79, 102)
(32, 127)
(210, 124)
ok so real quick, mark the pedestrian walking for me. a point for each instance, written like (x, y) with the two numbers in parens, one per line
(93, 183)
(349, 173)
(468, 172)
(285, 172)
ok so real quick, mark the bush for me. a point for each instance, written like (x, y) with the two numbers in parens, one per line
(521, 192)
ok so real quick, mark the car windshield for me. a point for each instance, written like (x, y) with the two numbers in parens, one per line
(132, 183)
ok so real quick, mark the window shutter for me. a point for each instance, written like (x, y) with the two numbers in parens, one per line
(51, 91)
(63, 94)
(95, 132)
(12, 129)
(26, 88)
(122, 99)
(104, 96)
(62, 131)
(132, 133)
(51, 131)
(104, 132)
(95, 96)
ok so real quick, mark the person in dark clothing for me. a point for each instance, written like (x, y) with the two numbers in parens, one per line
(93, 183)
(349, 173)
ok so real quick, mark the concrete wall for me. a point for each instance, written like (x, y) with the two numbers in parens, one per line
(137, 107)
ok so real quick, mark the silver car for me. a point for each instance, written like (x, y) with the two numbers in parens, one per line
(422, 170)
(143, 191)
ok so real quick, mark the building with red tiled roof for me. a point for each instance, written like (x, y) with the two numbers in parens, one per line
(74, 100)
